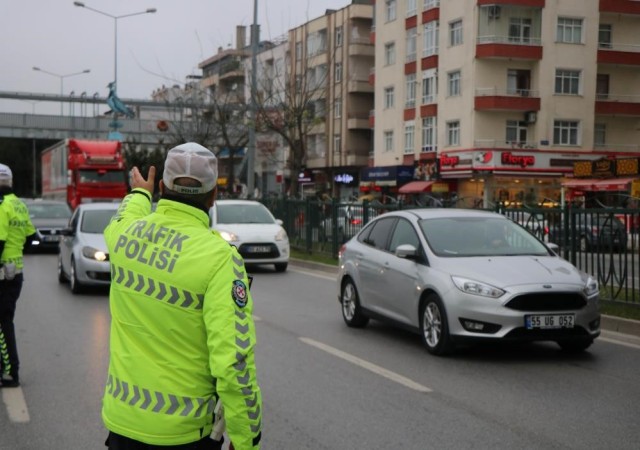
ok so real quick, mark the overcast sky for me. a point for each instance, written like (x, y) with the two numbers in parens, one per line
(153, 49)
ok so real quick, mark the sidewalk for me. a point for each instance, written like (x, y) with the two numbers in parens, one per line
(609, 323)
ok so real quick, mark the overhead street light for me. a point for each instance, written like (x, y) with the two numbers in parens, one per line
(115, 32)
(61, 77)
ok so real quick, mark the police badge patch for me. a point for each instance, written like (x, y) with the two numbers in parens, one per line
(239, 293)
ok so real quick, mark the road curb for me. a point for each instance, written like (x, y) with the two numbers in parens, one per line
(609, 323)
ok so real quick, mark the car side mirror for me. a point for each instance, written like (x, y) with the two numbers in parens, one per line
(555, 248)
(67, 232)
(406, 251)
(279, 222)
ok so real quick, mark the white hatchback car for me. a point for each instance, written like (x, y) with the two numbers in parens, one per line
(84, 259)
(253, 230)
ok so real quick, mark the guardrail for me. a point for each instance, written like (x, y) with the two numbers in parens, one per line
(603, 242)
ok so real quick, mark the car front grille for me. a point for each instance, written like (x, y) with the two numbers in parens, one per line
(258, 250)
(547, 301)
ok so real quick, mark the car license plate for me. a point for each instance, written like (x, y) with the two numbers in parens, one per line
(259, 249)
(547, 321)
(51, 238)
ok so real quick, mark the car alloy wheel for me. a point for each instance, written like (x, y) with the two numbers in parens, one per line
(434, 327)
(73, 279)
(61, 276)
(351, 310)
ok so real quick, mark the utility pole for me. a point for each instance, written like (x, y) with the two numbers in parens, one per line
(251, 148)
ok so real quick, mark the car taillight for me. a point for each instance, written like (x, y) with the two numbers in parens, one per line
(546, 230)
(341, 251)
(356, 221)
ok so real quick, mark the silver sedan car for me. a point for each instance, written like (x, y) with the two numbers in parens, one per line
(457, 276)
(84, 259)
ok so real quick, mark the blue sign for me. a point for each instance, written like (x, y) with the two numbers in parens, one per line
(388, 173)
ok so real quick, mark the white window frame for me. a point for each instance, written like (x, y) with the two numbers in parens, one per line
(520, 30)
(600, 134)
(391, 10)
(566, 132)
(454, 83)
(429, 86)
(337, 143)
(570, 82)
(409, 137)
(298, 50)
(338, 72)
(410, 90)
(455, 33)
(388, 140)
(337, 107)
(389, 53)
(570, 30)
(453, 133)
(430, 4)
(412, 8)
(430, 39)
(429, 134)
(412, 45)
(518, 129)
(339, 36)
(389, 97)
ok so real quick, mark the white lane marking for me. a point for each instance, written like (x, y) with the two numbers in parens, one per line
(617, 342)
(13, 399)
(315, 274)
(367, 365)
(256, 318)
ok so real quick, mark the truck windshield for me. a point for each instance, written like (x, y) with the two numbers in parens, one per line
(95, 176)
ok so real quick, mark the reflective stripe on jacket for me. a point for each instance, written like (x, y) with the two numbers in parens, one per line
(182, 332)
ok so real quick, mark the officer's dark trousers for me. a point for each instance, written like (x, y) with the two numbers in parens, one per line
(9, 293)
(119, 442)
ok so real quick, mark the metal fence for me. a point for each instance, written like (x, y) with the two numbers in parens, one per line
(602, 242)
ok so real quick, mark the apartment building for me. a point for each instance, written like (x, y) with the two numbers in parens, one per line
(331, 58)
(500, 100)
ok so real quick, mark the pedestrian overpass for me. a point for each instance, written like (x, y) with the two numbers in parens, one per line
(84, 126)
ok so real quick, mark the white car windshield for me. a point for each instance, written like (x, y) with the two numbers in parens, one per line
(479, 236)
(243, 214)
(95, 221)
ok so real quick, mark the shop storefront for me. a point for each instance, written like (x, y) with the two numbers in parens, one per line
(346, 183)
(384, 181)
(511, 177)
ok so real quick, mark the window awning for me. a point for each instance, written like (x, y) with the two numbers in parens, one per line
(416, 187)
(597, 184)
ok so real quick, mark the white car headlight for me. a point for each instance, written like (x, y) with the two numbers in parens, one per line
(282, 235)
(93, 253)
(229, 236)
(477, 288)
(591, 287)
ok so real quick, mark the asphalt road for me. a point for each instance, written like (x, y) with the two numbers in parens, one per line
(326, 386)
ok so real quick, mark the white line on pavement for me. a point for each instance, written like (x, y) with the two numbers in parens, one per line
(617, 342)
(367, 365)
(13, 399)
(314, 274)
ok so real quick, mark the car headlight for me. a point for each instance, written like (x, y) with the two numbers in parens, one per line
(477, 288)
(92, 253)
(281, 236)
(229, 236)
(591, 287)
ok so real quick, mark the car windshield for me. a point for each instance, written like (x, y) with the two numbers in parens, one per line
(243, 214)
(95, 221)
(49, 211)
(101, 176)
(479, 236)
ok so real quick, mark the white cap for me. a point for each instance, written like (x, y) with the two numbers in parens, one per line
(194, 161)
(6, 177)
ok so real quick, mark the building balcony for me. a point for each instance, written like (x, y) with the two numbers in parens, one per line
(358, 120)
(431, 11)
(631, 7)
(521, 3)
(361, 46)
(619, 54)
(372, 118)
(372, 76)
(355, 158)
(491, 99)
(618, 105)
(503, 47)
(503, 144)
(360, 85)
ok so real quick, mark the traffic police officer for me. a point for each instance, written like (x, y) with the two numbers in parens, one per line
(182, 333)
(16, 231)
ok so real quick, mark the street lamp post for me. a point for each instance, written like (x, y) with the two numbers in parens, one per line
(115, 33)
(61, 77)
(251, 150)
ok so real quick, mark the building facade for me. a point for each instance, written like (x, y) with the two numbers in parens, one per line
(497, 100)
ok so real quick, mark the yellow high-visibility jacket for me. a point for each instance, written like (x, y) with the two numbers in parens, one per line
(15, 226)
(182, 332)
